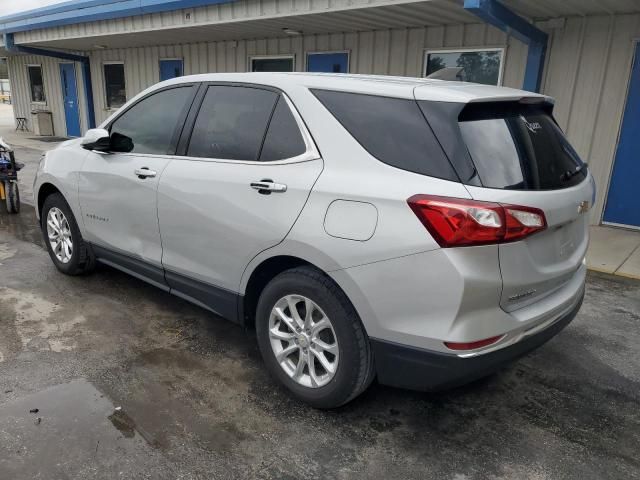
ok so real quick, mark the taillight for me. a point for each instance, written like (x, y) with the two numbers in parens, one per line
(458, 222)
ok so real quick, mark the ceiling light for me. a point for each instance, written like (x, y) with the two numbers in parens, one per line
(291, 31)
(100, 47)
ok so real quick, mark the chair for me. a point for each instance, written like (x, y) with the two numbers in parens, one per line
(21, 124)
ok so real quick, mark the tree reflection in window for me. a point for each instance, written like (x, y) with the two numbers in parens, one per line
(471, 66)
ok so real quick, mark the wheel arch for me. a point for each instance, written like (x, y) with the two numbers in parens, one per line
(258, 279)
(47, 188)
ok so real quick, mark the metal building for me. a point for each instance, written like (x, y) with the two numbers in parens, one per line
(81, 60)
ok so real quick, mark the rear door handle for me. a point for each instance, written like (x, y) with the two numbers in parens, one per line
(144, 172)
(266, 186)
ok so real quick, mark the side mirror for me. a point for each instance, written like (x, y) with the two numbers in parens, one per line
(120, 143)
(96, 139)
(99, 140)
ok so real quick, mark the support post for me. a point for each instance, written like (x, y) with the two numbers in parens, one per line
(496, 14)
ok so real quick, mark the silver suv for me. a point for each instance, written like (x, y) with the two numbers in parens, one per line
(419, 231)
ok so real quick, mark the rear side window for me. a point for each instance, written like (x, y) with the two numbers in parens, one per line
(391, 129)
(519, 147)
(231, 123)
(283, 139)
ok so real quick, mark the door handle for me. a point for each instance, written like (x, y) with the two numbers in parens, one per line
(144, 172)
(266, 186)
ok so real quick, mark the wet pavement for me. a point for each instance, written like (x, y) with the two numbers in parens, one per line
(129, 382)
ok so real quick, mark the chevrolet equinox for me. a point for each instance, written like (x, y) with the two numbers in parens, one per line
(420, 232)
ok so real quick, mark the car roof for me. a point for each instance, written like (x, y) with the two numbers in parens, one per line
(401, 87)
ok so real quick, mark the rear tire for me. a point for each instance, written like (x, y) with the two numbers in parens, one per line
(341, 344)
(77, 260)
(12, 193)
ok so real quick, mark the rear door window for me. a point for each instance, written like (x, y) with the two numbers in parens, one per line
(393, 130)
(232, 123)
(519, 147)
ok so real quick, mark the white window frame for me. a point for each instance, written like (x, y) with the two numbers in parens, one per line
(46, 96)
(501, 50)
(348, 52)
(104, 83)
(271, 57)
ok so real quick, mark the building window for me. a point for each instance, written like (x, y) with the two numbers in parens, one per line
(281, 63)
(479, 66)
(170, 68)
(36, 83)
(114, 85)
(331, 62)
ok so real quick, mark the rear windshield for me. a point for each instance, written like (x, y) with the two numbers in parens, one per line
(519, 147)
(393, 130)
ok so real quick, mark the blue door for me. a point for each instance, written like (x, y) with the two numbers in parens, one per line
(623, 200)
(328, 62)
(170, 69)
(70, 98)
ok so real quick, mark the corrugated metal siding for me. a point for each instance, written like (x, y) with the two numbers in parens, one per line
(587, 72)
(22, 104)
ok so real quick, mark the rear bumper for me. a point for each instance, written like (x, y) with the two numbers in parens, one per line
(419, 369)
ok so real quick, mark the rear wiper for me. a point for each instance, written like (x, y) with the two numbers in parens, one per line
(569, 174)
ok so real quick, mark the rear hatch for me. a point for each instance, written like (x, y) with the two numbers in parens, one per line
(517, 155)
(522, 157)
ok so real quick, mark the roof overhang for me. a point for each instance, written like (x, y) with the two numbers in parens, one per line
(247, 20)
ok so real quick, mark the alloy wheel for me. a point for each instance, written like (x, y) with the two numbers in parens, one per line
(303, 341)
(59, 234)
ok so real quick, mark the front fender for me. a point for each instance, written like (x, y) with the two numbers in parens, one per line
(60, 168)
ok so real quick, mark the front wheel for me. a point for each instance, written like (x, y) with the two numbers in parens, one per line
(312, 339)
(70, 254)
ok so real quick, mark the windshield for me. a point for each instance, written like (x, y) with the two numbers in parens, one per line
(519, 147)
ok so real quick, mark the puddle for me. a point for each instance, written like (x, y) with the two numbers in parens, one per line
(24, 225)
(57, 431)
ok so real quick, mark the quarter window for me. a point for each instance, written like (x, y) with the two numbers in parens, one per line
(231, 123)
(479, 66)
(151, 123)
(114, 85)
(283, 138)
(36, 83)
(391, 129)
